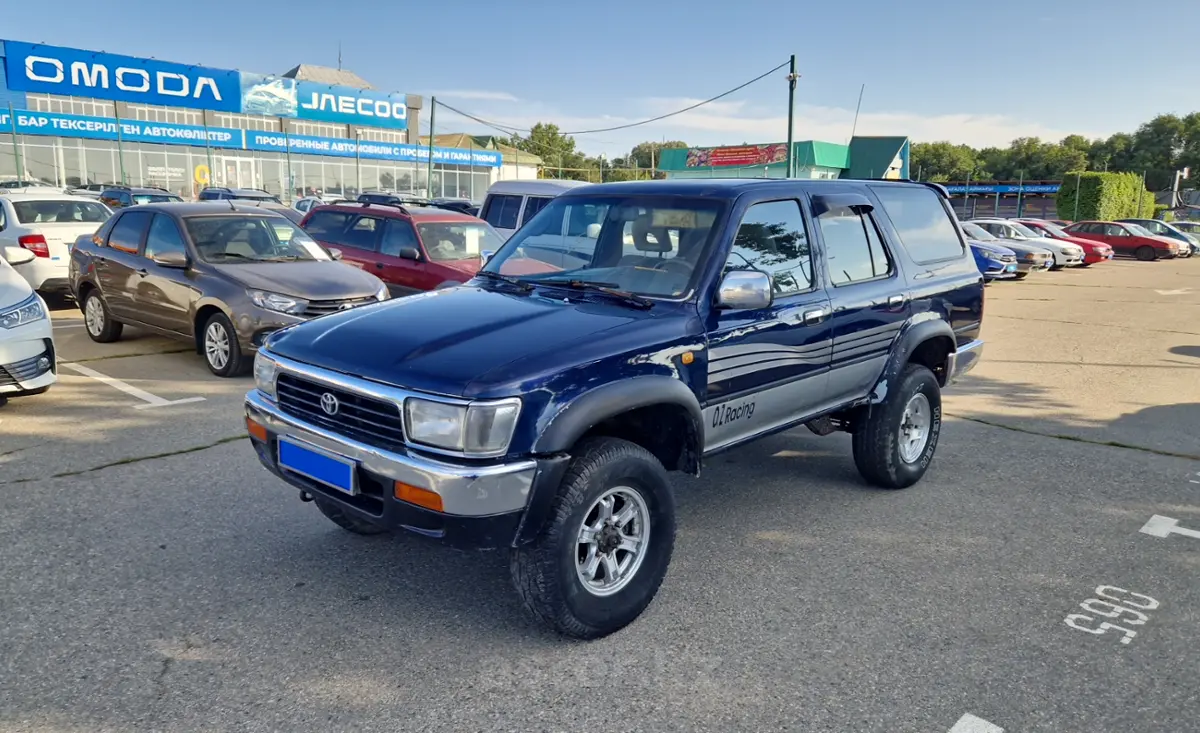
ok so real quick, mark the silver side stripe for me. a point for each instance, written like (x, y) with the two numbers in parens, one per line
(727, 352)
(880, 344)
(721, 375)
(885, 328)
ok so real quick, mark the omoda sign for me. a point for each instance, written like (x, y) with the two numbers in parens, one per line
(72, 72)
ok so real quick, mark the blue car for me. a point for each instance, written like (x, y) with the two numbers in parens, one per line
(994, 262)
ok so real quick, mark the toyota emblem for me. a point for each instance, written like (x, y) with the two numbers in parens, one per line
(329, 403)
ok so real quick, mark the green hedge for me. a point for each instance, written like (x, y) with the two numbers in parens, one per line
(1104, 196)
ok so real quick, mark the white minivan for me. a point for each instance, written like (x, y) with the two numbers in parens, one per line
(27, 365)
(509, 204)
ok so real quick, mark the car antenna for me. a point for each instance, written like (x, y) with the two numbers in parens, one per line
(231, 206)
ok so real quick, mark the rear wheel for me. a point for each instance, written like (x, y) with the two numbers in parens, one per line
(1146, 253)
(101, 328)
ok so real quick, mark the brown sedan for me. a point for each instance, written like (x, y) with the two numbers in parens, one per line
(220, 275)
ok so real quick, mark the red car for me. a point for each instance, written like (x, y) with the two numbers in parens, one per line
(411, 248)
(1093, 250)
(1125, 239)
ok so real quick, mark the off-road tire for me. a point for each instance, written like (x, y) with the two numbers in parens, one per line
(351, 524)
(544, 572)
(111, 330)
(877, 442)
(237, 362)
(1146, 253)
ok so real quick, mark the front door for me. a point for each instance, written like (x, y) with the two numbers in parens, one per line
(769, 366)
(117, 268)
(1118, 237)
(870, 300)
(403, 275)
(164, 294)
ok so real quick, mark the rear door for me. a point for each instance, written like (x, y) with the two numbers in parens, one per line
(117, 263)
(768, 367)
(869, 295)
(330, 227)
(164, 295)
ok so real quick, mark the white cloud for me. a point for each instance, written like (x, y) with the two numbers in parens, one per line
(481, 94)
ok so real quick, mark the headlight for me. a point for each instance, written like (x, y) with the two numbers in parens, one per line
(277, 302)
(479, 429)
(383, 293)
(27, 311)
(264, 374)
(994, 256)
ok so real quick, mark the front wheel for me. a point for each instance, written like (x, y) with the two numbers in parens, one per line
(892, 450)
(222, 352)
(1146, 253)
(602, 556)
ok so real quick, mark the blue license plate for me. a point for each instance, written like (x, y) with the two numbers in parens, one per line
(1010, 268)
(335, 472)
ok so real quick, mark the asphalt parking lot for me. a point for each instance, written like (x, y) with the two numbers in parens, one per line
(154, 577)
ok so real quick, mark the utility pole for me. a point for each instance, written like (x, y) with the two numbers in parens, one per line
(12, 121)
(1020, 188)
(429, 163)
(854, 127)
(791, 77)
(1078, 180)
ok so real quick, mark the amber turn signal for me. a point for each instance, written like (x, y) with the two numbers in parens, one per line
(688, 357)
(256, 430)
(417, 495)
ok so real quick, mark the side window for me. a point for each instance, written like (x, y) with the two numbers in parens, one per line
(501, 211)
(533, 205)
(396, 234)
(1113, 230)
(363, 233)
(772, 238)
(3, 220)
(126, 199)
(126, 234)
(922, 222)
(163, 237)
(327, 226)
(852, 247)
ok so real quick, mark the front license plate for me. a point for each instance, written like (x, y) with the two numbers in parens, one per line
(332, 471)
(1011, 268)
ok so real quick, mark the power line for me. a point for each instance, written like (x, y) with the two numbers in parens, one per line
(513, 129)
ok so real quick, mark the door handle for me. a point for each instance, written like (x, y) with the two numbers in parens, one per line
(897, 300)
(813, 315)
(378, 265)
(142, 271)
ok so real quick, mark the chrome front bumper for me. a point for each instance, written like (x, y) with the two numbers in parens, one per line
(472, 491)
(963, 360)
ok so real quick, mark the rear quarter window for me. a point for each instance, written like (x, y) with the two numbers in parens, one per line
(327, 226)
(501, 211)
(922, 221)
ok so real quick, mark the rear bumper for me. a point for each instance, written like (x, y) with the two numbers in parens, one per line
(964, 360)
(485, 505)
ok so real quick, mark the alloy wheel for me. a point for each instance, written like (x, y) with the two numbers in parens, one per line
(612, 541)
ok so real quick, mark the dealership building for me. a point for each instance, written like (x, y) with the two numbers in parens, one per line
(72, 117)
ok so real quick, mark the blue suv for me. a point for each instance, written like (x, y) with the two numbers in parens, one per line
(627, 330)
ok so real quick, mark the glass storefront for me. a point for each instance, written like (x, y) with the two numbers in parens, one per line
(185, 170)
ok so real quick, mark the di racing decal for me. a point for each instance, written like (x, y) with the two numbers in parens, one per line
(728, 413)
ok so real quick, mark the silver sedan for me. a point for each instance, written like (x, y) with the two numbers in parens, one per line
(1065, 253)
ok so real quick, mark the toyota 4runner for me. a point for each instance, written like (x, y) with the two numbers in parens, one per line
(627, 330)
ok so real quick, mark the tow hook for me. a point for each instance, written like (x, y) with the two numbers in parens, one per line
(305, 496)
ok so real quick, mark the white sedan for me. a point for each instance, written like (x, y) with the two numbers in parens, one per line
(47, 224)
(27, 365)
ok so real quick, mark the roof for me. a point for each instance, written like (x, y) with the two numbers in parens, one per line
(726, 187)
(327, 75)
(201, 208)
(871, 157)
(552, 186)
(416, 213)
(45, 195)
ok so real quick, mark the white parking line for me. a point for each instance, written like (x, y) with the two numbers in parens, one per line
(68, 324)
(971, 724)
(151, 400)
(1160, 526)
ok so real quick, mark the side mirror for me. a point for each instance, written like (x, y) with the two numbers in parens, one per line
(335, 253)
(409, 253)
(484, 256)
(18, 255)
(744, 290)
(174, 260)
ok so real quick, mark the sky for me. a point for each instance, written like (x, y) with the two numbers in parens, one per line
(968, 72)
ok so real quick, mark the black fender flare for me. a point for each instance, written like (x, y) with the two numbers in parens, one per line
(911, 337)
(614, 398)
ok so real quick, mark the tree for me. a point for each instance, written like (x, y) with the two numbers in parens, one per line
(647, 154)
(943, 161)
(556, 150)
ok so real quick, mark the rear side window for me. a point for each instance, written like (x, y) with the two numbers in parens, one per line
(327, 225)
(126, 234)
(501, 211)
(363, 233)
(925, 227)
(853, 247)
(533, 205)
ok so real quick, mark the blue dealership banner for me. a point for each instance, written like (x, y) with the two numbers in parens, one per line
(342, 148)
(105, 128)
(348, 105)
(992, 188)
(68, 71)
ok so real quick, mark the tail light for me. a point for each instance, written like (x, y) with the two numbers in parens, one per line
(36, 244)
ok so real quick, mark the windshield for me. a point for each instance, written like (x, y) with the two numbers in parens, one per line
(974, 231)
(153, 198)
(649, 245)
(453, 240)
(225, 239)
(1024, 230)
(1188, 226)
(1055, 229)
(62, 212)
(1139, 230)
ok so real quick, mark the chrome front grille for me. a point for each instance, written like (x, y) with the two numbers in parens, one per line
(372, 421)
(325, 307)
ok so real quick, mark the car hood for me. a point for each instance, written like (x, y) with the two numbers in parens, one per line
(466, 267)
(990, 247)
(311, 280)
(1023, 246)
(13, 287)
(1086, 244)
(443, 340)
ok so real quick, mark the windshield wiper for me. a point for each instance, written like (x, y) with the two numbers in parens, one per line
(524, 287)
(610, 289)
